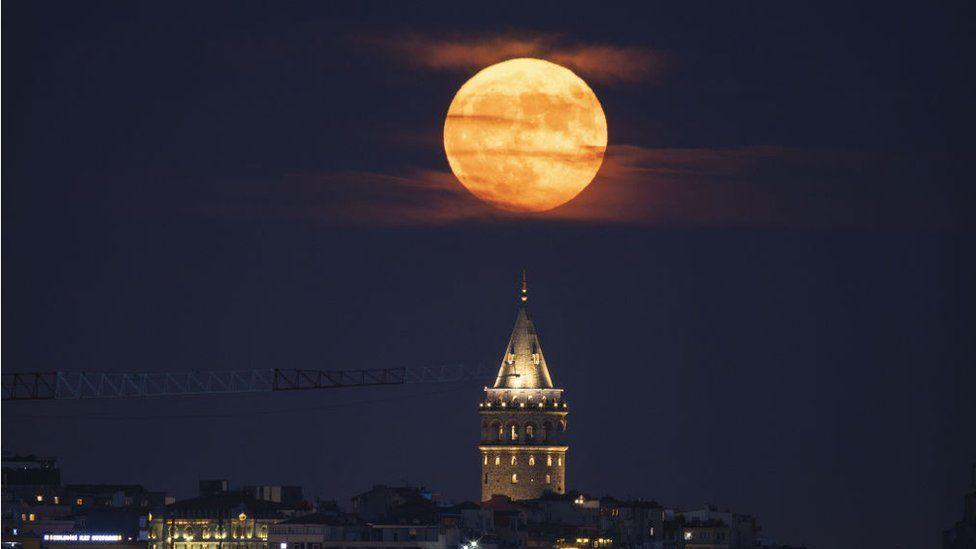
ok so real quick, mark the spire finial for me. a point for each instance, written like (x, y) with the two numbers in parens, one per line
(524, 296)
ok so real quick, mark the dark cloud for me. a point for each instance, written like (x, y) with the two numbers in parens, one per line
(604, 63)
(763, 186)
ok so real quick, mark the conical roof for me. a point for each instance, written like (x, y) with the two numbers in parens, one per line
(523, 364)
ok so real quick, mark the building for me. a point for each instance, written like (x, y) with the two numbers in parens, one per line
(229, 520)
(472, 520)
(290, 496)
(639, 523)
(30, 471)
(38, 507)
(711, 528)
(523, 420)
(386, 518)
(380, 501)
(325, 528)
(963, 534)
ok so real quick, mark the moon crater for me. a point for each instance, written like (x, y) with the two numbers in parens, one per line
(525, 135)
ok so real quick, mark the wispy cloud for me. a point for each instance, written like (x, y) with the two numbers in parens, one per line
(604, 63)
(411, 197)
(747, 186)
(762, 186)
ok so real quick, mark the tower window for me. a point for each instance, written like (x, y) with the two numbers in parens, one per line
(529, 431)
(531, 460)
(486, 478)
(486, 459)
(514, 433)
(514, 460)
(549, 461)
(560, 461)
(514, 478)
(548, 479)
(498, 460)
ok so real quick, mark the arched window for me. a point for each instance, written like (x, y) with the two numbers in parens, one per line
(514, 432)
(548, 479)
(546, 430)
(514, 460)
(529, 431)
(486, 478)
(501, 432)
(514, 478)
(549, 460)
(560, 461)
(486, 459)
(498, 460)
(531, 460)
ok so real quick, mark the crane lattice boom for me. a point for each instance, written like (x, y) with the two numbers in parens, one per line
(61, 385)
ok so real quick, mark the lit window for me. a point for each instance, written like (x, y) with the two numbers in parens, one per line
(549, 461)
(486, 459)
(514, 433)
(40, 497)
(560, 461)
(79, 501)
(501, 432)
(498, 460)
(548, 479)
(687, 535)
(23, 516)
(531, 460)
(529, 431)
(57, 500)
(514, 481)
(514, 460)
(32, 517)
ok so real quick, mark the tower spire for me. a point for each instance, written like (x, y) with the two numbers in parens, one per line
(524, 295)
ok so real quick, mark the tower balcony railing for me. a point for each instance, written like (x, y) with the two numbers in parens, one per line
(527, 406)
(523, 441)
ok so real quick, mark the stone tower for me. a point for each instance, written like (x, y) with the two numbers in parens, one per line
(523, 420)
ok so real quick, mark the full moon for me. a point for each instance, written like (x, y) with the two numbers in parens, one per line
(525, 135)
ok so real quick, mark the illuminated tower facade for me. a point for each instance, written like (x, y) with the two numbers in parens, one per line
(523, 420)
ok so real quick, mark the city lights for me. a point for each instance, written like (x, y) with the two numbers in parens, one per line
(90, 538)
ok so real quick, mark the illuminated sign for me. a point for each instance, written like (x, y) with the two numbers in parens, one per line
(85, 538)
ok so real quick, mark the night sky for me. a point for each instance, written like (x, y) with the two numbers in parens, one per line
(764, 300)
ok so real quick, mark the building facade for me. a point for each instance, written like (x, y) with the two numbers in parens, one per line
(229, 520)
(523, 421)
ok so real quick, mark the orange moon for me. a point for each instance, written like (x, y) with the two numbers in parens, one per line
(525, 135)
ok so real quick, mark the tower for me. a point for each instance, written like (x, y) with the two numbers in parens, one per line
(523, 420)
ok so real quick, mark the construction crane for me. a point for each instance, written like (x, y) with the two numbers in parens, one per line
(65, 385)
